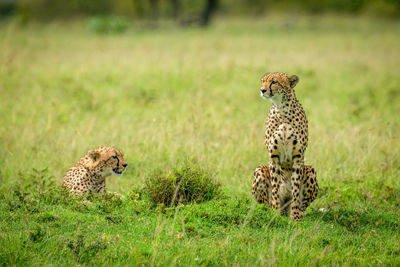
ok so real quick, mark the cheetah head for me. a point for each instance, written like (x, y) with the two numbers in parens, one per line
(275, 85)
(107, 161)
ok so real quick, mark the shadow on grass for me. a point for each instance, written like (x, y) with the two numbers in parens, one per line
(228, 213)
(356, 221)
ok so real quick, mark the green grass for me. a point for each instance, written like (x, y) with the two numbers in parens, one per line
(168, 95)
(184, 185)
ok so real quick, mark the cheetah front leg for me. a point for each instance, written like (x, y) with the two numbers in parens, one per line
(276, 174)
(298, 170)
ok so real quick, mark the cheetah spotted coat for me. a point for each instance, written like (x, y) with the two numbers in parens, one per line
(89, 174)
(286, 184)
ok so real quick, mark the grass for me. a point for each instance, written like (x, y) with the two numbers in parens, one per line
(168, 95)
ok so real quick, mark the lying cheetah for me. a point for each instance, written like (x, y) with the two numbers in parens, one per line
(286, 182)
(90, 172)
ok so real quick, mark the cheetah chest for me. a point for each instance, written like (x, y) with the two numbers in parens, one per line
(285, 153)
(281, 144)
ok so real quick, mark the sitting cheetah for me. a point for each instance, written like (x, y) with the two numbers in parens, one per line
(89, 174)
(286, 181)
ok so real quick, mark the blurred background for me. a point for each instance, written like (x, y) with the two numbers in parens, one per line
(187, 11)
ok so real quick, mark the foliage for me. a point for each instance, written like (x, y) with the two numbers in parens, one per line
(108, 24)
(183, 9)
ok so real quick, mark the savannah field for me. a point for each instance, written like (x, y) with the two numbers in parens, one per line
(173, 97)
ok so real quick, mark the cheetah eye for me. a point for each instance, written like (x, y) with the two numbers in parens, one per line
(273, 82)
(115, 157)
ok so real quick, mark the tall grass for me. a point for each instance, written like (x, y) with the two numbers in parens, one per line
(167, 95)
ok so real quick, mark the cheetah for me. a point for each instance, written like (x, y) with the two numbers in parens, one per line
(89, 174)
(286, 183)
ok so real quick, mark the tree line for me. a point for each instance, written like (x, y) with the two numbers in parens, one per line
(187, 11)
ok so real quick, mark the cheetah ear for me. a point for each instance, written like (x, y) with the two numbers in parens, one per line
(294, 79)
(94, 155)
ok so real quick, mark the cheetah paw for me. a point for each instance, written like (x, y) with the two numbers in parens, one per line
(296, 215)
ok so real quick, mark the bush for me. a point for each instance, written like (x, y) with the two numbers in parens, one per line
(187, 184)
(383, 8)
(45, 10)
(108, 24)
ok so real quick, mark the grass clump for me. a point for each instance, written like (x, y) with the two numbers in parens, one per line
(83, 252)
(186, 184)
